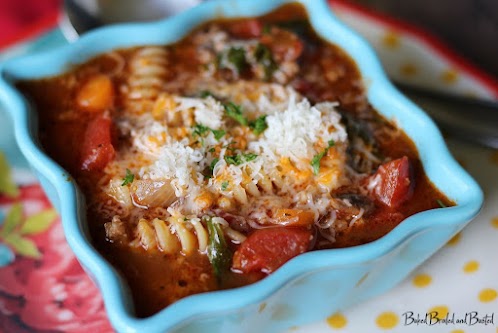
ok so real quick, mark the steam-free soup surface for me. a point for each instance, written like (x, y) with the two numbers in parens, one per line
(209, 163)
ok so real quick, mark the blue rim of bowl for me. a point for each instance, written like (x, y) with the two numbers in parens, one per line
(438, 163)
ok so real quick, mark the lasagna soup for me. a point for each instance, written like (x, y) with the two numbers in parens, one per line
(209, 163)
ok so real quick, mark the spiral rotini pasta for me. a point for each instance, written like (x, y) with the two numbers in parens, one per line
(208, 163)
(147, 75)
(174, 234)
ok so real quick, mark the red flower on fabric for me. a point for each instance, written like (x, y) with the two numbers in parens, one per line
(51, 293)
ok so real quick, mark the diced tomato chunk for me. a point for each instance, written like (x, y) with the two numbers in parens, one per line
(266, 250)
(245, 29)
(97, 149)
(393, 183)
(284, 45)
(302, 85)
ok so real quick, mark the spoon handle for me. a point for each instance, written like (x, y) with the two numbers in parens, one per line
(466, 118)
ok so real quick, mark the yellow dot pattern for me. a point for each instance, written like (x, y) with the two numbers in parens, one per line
(337, 320)
(449, 76)
(471, 266)
(422, 280)
(487, 295)
(391, 40)
(472, 270)
(408, 70)
(439, 311)
(387, 320)
(494, 222)
(455, 239)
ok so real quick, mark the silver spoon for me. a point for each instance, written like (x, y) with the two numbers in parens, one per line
(466, 118)
(83, 15)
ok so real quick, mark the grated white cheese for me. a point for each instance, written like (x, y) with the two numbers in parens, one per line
(148, 134)
(295, 131)
(179, 163)
(207, 111)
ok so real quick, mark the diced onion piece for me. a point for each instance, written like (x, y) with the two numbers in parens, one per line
(147, 235)
(168, 243)
(119, 193)
(293, 217)
(153, 193)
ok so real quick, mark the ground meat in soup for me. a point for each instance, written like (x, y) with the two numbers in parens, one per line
(209, 163)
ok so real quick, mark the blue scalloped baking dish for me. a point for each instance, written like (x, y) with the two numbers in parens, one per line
(310, 286)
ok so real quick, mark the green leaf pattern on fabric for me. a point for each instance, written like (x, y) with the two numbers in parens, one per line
(13, 219)
(23, 246)
(39, 222)
(16, 228)
(7, 185)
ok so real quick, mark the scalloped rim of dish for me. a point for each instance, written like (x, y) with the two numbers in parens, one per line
(439, 165)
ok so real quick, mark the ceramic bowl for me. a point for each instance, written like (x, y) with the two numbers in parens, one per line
(308, 287)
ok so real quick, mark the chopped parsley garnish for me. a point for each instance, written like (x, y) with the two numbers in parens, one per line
(264, 56)
(230, 146)
(206, 93)
(249, 157)
(224, 185)
(234, 111)
(128, 179)
(201, 130)
(240, 158)
(259, 125)
(237, 56)
(218, 134)
(208, 171)
(213, 163)
(315, 162)
(441, 204)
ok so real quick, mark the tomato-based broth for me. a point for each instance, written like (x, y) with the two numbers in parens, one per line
(209, 163)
